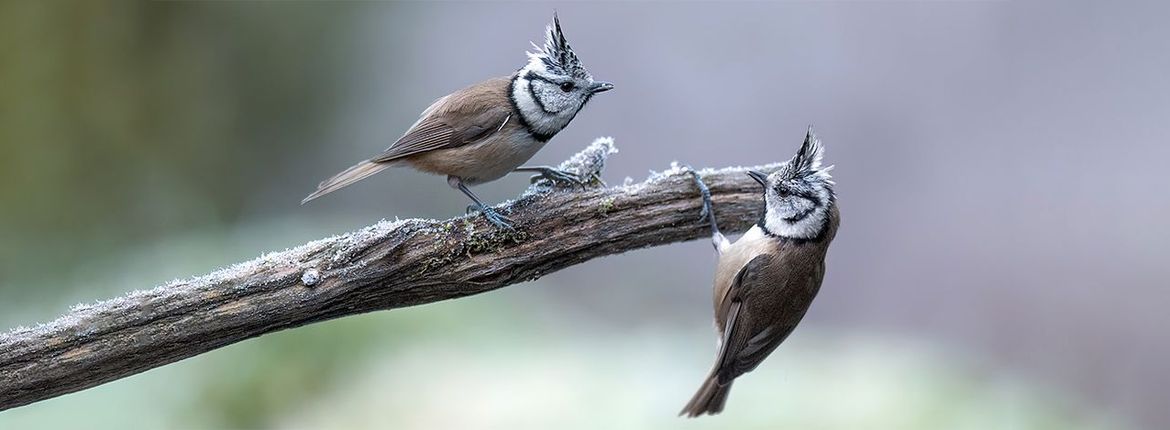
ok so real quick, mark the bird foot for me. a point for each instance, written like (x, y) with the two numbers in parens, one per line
(705, 192)
(556, 176)
(493, 217)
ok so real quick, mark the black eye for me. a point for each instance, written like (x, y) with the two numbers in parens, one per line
(567, 86)
(783, 192)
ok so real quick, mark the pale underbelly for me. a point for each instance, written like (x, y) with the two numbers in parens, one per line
(480, 162)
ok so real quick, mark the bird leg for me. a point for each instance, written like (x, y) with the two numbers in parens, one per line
(492, 216)
(708, 211)
(556, 176)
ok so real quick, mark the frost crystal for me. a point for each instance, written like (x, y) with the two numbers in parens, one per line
(310, 277)
(590, 161)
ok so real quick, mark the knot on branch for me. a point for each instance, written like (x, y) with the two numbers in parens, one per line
(590, 162)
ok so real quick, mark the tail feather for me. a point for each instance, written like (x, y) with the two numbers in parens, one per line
(708, 400)
(341, 180)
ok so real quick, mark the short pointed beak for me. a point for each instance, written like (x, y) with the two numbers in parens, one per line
(759, 177)
(600, 87)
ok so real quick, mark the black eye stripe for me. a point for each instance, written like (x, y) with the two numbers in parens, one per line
(785, 192)
(532, 77)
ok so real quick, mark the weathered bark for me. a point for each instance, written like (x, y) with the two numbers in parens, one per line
(384, 266)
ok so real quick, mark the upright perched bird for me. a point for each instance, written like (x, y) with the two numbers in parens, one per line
(485, 131)
(766, 281)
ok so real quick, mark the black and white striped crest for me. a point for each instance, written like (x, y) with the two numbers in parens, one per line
(807, 160)
(556, 54)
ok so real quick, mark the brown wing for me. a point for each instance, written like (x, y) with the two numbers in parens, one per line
(736, 331)
(463, 117)
(764, 304)
(466, 116)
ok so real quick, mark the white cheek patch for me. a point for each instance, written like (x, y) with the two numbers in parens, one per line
(524, 100)
(541, 121)
(807, 228)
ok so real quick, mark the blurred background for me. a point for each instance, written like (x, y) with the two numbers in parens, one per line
(1001, 171)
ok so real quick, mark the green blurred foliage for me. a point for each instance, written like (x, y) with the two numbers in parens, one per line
(121, 121)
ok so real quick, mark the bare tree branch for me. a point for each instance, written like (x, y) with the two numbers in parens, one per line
(384, 266)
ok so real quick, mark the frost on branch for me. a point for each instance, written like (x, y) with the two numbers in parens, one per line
(387, 265)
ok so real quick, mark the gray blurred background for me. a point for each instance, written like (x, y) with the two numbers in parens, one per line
(1000, 167)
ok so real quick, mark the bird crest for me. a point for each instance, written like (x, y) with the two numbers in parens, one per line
(807, 161)
(556, 54)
